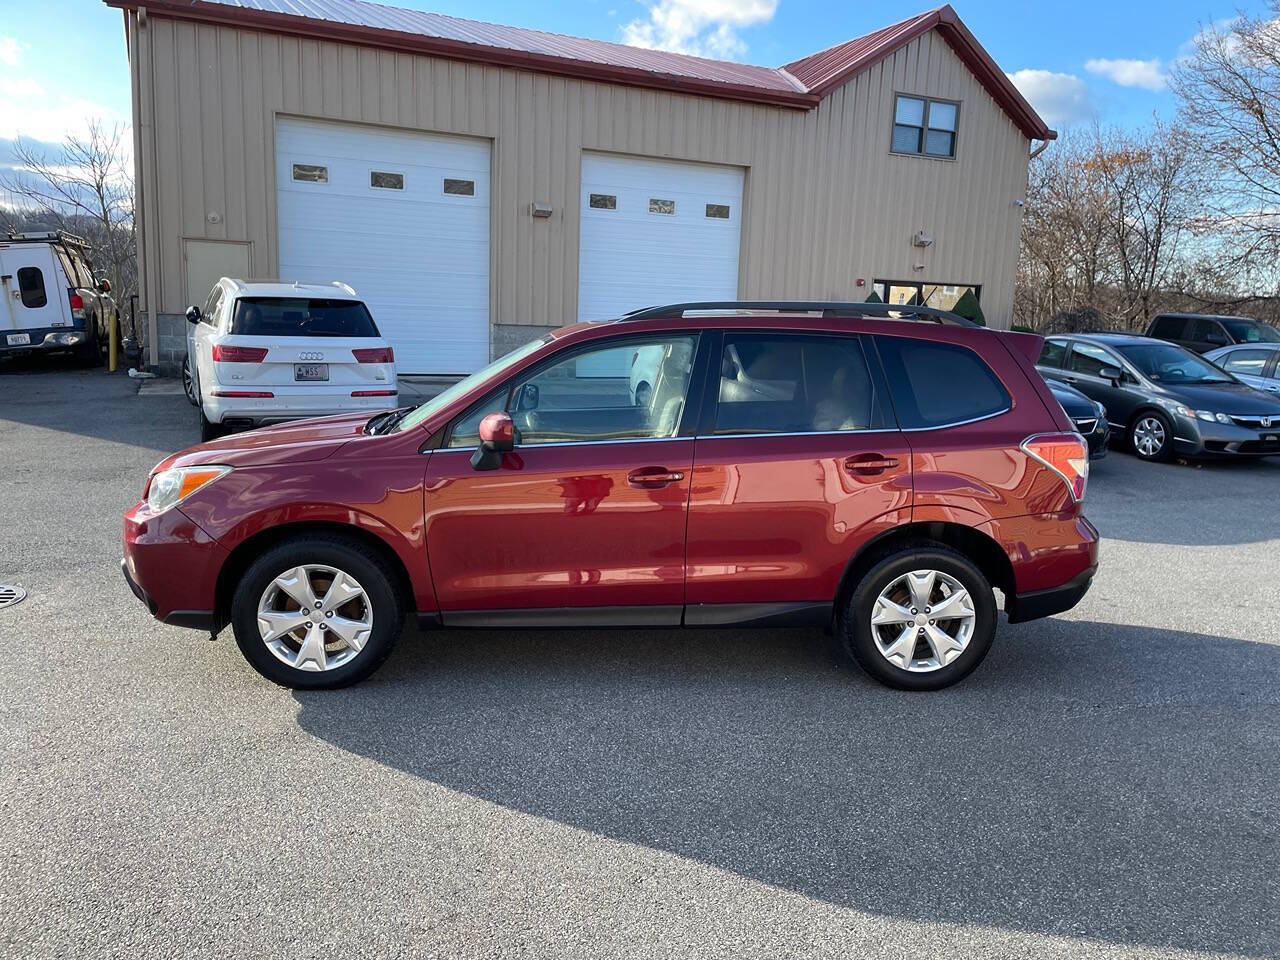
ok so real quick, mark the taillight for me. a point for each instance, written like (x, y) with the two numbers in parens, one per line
(373, 393)
(1066, 454)
(374, 355)
(225, 354)
(77, 305)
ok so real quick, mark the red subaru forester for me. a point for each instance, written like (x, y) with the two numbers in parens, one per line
(873, 470)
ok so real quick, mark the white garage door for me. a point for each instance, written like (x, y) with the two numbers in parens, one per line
(656, 231)
(402, 217)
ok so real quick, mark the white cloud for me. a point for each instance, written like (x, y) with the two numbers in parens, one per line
(706, 28)
(29, 110)
(1062, 99)
(10, 51)
(1147, 74)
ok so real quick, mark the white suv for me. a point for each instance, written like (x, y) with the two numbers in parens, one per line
(263, 352)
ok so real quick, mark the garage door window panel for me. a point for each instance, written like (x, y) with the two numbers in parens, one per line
(455, 187)
(310, 173)
(31, 287)
(568, 401)
(789, 384)
(666, 208)
(385, 180)
(603, 201)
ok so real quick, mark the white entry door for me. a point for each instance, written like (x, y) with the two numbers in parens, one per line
(656, 231)
(404, 218)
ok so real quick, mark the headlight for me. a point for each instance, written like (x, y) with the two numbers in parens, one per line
(1205, 415)
(1222, 418)
(170, 487)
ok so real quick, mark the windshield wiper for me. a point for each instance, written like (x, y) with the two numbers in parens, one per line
(383, 422)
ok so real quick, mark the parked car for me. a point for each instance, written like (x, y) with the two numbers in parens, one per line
(1089, 417)
(896, 473)
(52, 303)
(1257, 364)
(266, 352)
(1203, 332)
(1164, 398)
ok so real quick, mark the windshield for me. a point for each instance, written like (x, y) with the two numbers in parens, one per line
(1169, 363)
(1251, 331)
(493, 370)
(301, 317)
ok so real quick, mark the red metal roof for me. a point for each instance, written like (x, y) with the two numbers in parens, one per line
(801, 84)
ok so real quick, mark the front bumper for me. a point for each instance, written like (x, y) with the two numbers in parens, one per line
(172, 566)
(1200, 438)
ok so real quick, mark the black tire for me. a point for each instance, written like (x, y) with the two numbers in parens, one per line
(1140, 429)
(89, 353)
(189, 384)
(857, 643)
(353, 558)
(208, 429)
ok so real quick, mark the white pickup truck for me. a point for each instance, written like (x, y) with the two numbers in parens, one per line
(51, 299)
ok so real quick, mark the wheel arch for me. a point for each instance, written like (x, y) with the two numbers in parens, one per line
(252, 547)
(979, 547)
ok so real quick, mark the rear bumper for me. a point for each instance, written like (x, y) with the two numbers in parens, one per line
(172, 566)
(284, 407)
(1045, 603)
(46, 339)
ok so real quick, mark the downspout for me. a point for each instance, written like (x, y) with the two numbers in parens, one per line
(1039, 150)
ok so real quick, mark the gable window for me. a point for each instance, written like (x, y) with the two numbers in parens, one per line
(924, 127)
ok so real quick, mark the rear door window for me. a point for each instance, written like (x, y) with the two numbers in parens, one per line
(1054, 352)
(1089, 360)
(1168, 327)
(301, 317)
(780, 383)
(1249, 362)
(31, 287)
(939, 384)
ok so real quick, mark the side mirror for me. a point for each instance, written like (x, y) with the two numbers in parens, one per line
(1114, 374)
(104, 285)
(497, 436)
(193, 314)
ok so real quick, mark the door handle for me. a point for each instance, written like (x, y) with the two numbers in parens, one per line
(651, 478)
(869, 464)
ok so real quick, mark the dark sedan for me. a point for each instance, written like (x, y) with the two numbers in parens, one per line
(1089, 416)
(1165, 398)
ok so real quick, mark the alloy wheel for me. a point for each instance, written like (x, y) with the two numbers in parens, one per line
(188, 385)
(1148, 436)
(315, 617)
(923, 621)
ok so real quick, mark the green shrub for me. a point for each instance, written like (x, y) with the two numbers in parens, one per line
(873, 298)
(967, 307)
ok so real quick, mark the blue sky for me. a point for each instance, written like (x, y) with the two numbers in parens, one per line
(62, 60)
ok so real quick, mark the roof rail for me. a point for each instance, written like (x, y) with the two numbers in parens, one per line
(828, 308)
(47, 236)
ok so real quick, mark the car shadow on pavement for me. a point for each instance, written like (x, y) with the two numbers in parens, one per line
(1091, 780)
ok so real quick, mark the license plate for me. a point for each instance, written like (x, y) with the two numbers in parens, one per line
(18, 339)
(311, 371)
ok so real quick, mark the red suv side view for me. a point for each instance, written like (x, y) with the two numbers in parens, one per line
(879, 471)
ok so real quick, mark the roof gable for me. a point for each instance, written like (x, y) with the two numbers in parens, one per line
(801, 84)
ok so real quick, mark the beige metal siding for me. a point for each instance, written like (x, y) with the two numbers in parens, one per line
(825, 201)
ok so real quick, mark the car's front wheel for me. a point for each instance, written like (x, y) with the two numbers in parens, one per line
(922, 618)
(1151, 436)
(316, 613)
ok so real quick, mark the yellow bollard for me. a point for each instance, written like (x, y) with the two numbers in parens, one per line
(112, 326)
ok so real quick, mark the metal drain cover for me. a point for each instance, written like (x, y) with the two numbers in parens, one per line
(11, 594)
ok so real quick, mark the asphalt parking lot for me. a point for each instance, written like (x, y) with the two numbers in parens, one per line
(1106, 785)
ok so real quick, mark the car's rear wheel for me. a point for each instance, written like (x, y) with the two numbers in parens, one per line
(208, 429)
(189, 383)
(1151, 436)
(317, 613)
(89, 353)
(922, 618)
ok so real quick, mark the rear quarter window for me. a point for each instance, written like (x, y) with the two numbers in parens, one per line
(301, 317)
(1054, 352)
(1169, 327)
(939, 384)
